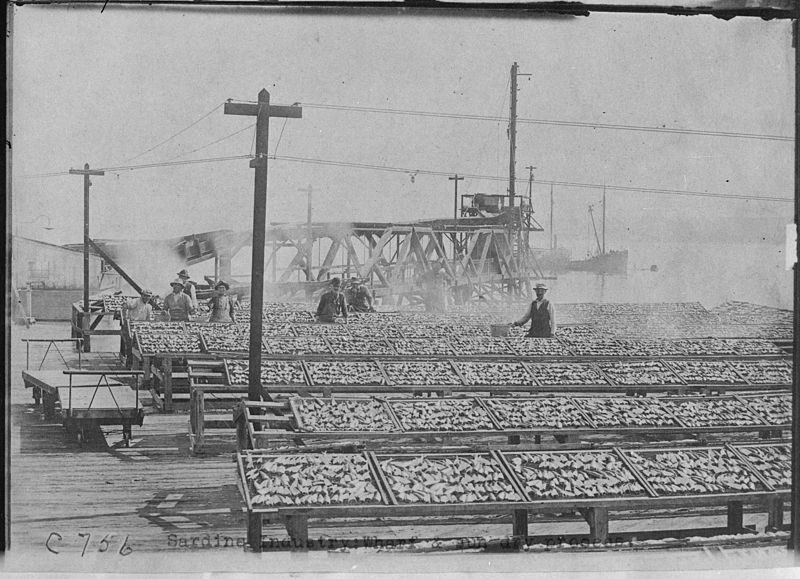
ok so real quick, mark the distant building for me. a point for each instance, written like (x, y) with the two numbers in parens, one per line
(52, 275)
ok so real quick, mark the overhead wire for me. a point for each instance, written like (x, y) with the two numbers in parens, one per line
(280, 136)
(213, 142)
(168, 139)
(390, 169)
(535, 181)
(523, 120)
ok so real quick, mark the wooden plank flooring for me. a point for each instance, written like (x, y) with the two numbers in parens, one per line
(157, 493)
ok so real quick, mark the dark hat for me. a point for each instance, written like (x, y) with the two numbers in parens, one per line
(184, 273)
(221, 283)
(336, 281)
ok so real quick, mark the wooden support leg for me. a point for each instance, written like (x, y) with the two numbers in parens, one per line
(147, 368)
(242, 442)
(254, 530)
(297, 527)
(48, 405)
(597, 517)
(520, 524)
(197, 420)
(87, 340)
(735, 517)
(167, 367)
(775, 514)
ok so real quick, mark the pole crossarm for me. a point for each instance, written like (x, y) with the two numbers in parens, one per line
(86, 171)
(251, 110)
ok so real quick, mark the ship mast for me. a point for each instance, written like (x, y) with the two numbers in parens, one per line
(594, 227)
(603, 249)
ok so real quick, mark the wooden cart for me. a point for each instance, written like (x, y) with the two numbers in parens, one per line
(83, 399)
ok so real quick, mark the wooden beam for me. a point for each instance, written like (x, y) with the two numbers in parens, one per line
(597, 517)
(297, 528)
(418, 251)
(377, 251)
(251, 110)
(116, 266)
(520, 524)
(329, 257)
(354, 257)
(292, 267)
(254, 531)
(735, 517)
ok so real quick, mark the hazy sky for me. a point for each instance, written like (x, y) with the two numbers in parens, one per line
(103, 88)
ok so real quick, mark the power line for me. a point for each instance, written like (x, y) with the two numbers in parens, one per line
(167, 140)
(175, 163)
(408, 171)
(530, 121)
(536, 181)
(213, 142)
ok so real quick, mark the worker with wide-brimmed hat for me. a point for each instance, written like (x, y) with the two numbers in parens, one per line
(178, 304)
(189, 287)
(332, 303)
(139, 309)
(221, 304)
(359, 297)
(541, 314)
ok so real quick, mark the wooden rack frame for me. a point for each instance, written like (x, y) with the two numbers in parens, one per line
(596, 510)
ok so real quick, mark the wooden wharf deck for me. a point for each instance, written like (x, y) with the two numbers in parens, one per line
(156, 492)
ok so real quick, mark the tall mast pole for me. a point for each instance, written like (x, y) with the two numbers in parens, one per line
(552, 233)
(603, 250)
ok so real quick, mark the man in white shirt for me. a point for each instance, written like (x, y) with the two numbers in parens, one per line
(542, 315)
(139, 309)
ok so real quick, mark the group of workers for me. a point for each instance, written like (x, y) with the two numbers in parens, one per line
(335, 302)
(182, 302)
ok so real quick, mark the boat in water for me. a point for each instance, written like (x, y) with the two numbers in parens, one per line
(603, 261)
(609, 262)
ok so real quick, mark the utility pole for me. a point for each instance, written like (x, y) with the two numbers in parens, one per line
(263, 111)
(512, 134)
(310, 234)
(86, 172)
(455, 179)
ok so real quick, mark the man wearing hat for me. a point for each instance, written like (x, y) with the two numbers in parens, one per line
(360, 298)
(189, 287)
(332, 303)
(178, 304)
(221, 304)
(541, 314)
(139, 309)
